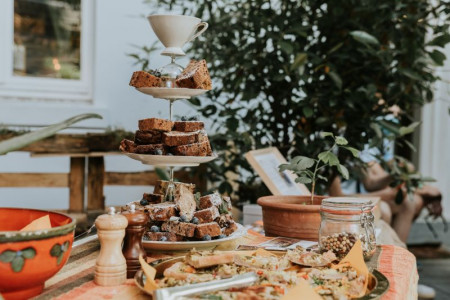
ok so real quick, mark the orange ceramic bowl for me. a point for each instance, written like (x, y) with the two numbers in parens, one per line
(29, 258)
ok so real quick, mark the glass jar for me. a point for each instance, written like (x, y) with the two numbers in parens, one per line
(345, 220)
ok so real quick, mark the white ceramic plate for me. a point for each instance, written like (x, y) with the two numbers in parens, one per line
(171, 160)
(171, 93)
(184, 246)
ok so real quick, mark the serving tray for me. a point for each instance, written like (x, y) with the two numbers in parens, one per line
(171, 93)
(188, 245)
(379, 284)
(170, 160)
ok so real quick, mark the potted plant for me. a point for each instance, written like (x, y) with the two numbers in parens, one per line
(299, 216)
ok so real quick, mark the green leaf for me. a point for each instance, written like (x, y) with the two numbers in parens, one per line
(322, 177)
(285, 167)
(438, 57)
(56, 250)
(411, 74)
(194, 101)
(354, 151)
(17, 263)
(408, 129)
(340, 140)
(336, 79)
(65, 246)
(286, 46)
(7, 256)
(440, 40)
(329, 158)
(364, 37)
(307, 111)
(300, 60)
(325, 134)
(21, 141)
(197, 199)
(343, 170)
(304, 180)
(28, 252)
(304, 163)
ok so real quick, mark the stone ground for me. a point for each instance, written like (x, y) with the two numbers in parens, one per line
(433, 256)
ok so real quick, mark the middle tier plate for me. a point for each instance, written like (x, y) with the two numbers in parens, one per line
(171, 160)
(171, 93)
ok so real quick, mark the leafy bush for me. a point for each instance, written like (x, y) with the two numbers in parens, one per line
(285, 71)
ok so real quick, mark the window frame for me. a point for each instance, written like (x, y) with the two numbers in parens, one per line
(48, 89)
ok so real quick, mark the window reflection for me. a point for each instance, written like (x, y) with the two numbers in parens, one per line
(47, 38)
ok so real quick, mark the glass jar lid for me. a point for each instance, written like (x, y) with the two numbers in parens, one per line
(346, 205)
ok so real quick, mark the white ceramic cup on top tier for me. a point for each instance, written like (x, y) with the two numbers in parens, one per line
(176, 30)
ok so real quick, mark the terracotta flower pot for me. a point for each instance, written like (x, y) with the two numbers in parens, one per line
(291, 216)
(29, 258)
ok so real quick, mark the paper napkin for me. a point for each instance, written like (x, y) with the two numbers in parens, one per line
(38, 224)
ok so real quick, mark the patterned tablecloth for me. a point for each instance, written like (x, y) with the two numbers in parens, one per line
(75, 280)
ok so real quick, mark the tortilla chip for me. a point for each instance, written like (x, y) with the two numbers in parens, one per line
(38, 224)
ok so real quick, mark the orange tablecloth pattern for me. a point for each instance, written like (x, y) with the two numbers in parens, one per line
(75, 280)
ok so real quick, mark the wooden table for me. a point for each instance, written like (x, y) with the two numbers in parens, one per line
(75, 280)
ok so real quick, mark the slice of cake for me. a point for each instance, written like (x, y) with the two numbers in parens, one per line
(162, 211)
(196, 149)
(152, 198)
(207, 215)
(212, 229)
(210, 200)
(127, 146)
(148, 137)
(155, 124)
(153, 149)
(195, 76)
(161, 187)
(163, 236)
(178, 138)
(143, 79)
(184, 198)
(188, 126)
(180, 228)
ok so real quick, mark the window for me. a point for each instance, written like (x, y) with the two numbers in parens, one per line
(46, 49)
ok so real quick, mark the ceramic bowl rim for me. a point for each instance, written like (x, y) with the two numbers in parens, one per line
(22, 236)
(271, 201)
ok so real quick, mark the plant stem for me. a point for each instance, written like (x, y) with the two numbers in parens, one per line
(313, 185)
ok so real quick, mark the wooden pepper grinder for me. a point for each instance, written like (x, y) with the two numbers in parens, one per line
(132, 245)
(110, 267)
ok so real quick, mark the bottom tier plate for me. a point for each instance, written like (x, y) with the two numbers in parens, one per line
(188, 245)
(171, 160)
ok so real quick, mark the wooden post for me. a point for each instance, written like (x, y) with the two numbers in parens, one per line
(76, 184)
(96, 175)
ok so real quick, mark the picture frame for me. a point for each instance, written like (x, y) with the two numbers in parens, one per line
(265, 162)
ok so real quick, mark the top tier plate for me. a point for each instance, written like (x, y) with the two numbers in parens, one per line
(171, 93)
(171, 160)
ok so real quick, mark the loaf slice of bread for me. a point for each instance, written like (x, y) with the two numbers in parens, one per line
(153, 198)
(183, 229)
(212, 229)
(207, 215)
(170, 236)
(206, 259)
(188, 126)
(143, 79)
(178, 138)
(195, 76)
(184, 198)
(148, 137)
(155, 124)
(196, 149)
(162, 211)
